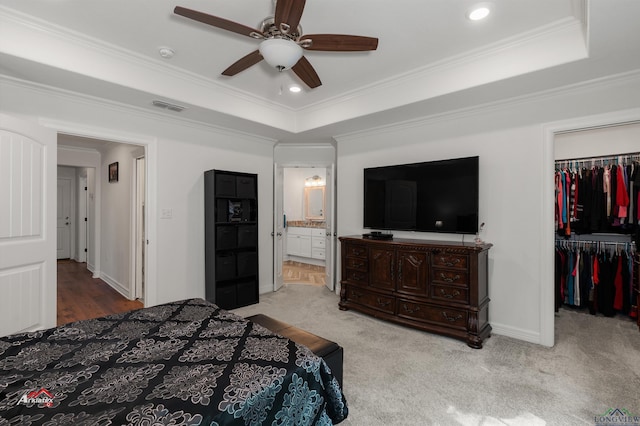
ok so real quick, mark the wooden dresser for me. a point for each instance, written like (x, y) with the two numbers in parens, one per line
(435, 286)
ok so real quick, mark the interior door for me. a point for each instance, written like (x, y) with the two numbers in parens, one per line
(140, 236)
(63, 219)
(278, 225)
(82, 219)
(330, 246)
(27, 226)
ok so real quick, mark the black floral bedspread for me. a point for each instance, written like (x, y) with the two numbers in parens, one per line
(181, 363)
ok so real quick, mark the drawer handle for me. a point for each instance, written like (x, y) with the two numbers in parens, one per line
(449, 262)
(358, 264)
(358, 252)
(382, 303)
(410, 311)
(449, 279)
(451, 319)
(449, 296)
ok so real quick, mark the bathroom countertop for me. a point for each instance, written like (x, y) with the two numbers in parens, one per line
(306, 223)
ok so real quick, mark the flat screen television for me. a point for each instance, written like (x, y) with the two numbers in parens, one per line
(434, 196)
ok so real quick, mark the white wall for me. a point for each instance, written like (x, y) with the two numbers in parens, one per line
(623, 139)
(516, 167)
(115, 225)
(178, 155)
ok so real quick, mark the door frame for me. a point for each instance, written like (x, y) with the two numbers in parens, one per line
(72, 211)
(547, 259)
(138, 217)
(330, 213)
(150, 145)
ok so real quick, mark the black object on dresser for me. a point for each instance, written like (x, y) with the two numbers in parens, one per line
(231, 238)
(435, 286)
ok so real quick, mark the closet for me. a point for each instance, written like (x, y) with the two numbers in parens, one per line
(597, 221)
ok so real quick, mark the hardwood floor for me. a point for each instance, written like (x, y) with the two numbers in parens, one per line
(80, 296)
(302, 273)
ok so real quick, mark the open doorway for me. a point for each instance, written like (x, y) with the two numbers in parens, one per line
(105, 223)
(304, 202)
(304, 243)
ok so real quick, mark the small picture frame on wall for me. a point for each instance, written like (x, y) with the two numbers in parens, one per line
(113, 172)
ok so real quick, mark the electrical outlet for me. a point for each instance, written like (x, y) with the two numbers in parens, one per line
(166, 213)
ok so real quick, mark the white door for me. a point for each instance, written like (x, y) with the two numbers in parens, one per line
(63, 218)
(27, 226)
(140, 236)
(330, 246)
(82, 219)
(278, 225)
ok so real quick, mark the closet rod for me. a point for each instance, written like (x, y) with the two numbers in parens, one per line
(578, 243)
(633, 155)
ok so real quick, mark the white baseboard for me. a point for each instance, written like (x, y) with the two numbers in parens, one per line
(116, 285)
(516, 333)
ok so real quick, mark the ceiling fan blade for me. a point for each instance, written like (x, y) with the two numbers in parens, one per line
(216, 21)
(305, 71)
(340, 42)
(243, 63)
(289, 12)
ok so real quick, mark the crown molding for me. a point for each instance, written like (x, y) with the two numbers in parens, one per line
(557, 43)
(118, 53)
(550, 31)
(489, 107)
(128, 109)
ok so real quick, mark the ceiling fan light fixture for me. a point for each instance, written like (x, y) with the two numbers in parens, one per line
(280, 53)
(294, 88)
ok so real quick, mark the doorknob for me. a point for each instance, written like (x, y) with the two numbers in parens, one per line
(67, 223)
(279, 234)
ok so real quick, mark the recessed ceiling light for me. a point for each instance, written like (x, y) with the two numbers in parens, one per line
(478, 13)
(166, 52)
(295, 88)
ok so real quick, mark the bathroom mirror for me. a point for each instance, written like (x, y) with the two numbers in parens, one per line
(314, 203)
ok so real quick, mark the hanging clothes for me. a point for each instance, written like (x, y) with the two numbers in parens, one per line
(594, 275)
(598, 198)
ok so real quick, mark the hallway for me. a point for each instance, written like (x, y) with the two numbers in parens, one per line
(80, 296)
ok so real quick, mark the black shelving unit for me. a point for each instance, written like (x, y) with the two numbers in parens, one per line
(231, 238)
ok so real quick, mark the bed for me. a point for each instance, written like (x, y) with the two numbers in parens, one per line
(181, 363)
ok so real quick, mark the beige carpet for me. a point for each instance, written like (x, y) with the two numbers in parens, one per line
(398, 376)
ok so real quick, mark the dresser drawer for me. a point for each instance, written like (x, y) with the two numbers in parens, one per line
(445, 316)
(450, 260)
(372, 300)
(354, 250)
(449, 294)
(450, 277)
(357, 277)
(357, 263)
(317, 242)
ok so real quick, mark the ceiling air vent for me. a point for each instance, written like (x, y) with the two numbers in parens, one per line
(167, 105)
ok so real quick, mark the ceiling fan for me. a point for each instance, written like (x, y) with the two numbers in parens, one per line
(282, 40)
